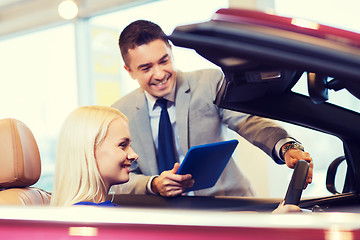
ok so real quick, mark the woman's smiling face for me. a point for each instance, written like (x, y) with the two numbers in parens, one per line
(114, 154)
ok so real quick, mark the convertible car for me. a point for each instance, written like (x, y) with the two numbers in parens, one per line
(262, 56)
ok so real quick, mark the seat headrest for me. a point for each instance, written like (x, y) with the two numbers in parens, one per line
(20, 164)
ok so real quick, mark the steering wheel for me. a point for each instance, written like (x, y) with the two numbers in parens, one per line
(296, 185)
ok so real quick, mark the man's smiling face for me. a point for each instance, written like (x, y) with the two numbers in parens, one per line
(152, 66)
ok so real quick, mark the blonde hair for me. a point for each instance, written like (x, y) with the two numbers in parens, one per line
(77, 177)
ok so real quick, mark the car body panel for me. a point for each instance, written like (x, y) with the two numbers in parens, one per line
(138, 223)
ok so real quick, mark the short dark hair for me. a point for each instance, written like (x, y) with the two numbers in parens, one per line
(138, 33)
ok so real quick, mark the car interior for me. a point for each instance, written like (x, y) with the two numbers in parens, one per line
(20, 166)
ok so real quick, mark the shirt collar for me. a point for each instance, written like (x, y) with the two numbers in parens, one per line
(151, 100)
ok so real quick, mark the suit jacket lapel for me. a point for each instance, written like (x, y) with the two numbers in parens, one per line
(146, 145)
(182, 110)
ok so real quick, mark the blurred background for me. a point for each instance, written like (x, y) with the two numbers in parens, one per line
(56, 55)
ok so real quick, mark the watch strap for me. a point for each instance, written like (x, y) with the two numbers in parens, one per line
(293, 145)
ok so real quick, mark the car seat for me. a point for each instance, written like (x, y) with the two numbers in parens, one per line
(20, 165)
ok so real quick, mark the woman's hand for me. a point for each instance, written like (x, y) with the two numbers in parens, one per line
(282, 208)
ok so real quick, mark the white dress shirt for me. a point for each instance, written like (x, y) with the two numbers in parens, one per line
(154, 114)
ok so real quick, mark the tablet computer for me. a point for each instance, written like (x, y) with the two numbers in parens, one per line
(206, 163)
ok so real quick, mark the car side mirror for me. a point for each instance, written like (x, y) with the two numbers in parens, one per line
(334, 177)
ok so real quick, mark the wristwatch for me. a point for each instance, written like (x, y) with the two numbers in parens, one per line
(293, 145)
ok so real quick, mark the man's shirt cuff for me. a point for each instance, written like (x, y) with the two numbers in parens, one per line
(148, 185)
(278, 146)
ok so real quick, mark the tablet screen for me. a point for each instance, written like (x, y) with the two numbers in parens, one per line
(206, 163)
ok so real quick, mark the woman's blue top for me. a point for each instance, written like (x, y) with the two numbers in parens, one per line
(102, 204)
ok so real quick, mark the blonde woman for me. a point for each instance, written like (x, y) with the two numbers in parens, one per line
(93, 154)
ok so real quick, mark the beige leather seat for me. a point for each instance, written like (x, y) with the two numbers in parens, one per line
(20, 165)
